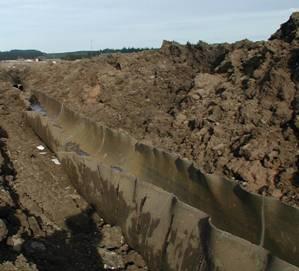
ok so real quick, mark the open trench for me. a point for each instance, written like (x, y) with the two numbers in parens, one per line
(44, 223)
(175, 216)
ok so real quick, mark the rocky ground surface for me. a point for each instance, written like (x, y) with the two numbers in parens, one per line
(231, 108)
(44, 223)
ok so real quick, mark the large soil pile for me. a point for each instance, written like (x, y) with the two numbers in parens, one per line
(231, 108)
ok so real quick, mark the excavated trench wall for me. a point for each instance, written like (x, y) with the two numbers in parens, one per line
(177, 217)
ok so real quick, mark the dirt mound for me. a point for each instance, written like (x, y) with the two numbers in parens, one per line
(231, 108)
(288, 31)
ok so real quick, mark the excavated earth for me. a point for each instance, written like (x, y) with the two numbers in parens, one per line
(231, 108)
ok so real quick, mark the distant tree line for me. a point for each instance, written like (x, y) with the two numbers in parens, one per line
(124, 50)
(89, 54)
(24, 54)
(33, 54)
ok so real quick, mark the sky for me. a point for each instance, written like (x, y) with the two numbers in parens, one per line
(70, 25)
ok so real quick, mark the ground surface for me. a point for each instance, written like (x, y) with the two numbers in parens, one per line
(231, 108)
(44, 223)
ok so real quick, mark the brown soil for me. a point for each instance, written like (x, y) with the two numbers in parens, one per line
(231, 108)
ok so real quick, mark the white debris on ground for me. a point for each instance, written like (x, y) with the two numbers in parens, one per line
(40, 147)
(55, 161)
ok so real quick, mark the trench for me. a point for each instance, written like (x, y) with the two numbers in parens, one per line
(175, 216)
(30, 236)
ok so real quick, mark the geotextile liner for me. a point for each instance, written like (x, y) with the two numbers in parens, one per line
(175, 216)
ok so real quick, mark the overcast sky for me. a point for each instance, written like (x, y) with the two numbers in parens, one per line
(67, 25)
